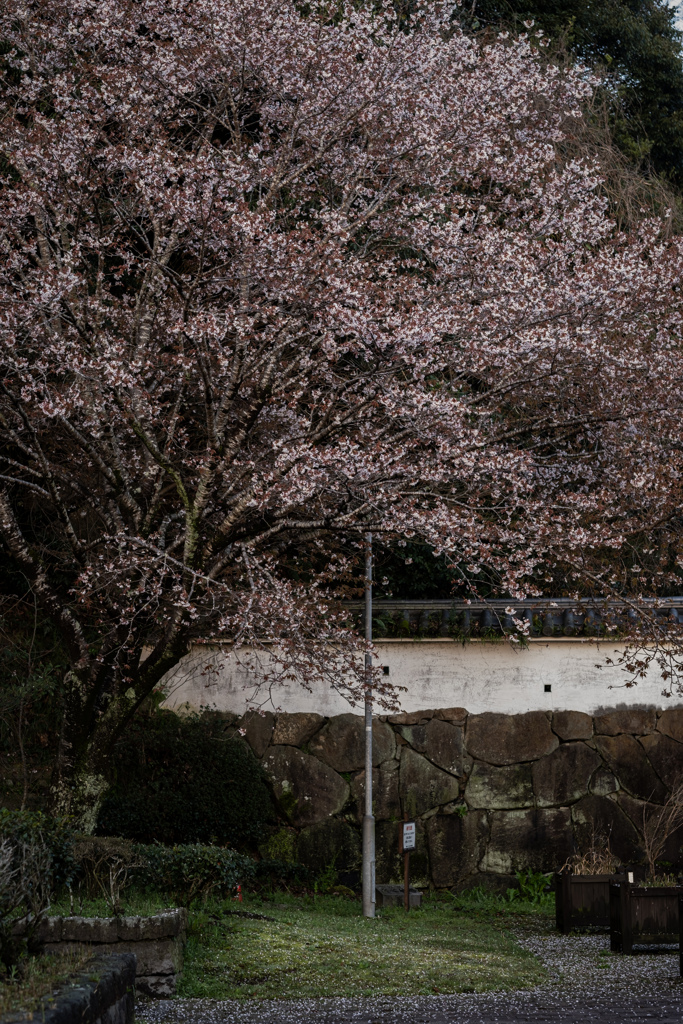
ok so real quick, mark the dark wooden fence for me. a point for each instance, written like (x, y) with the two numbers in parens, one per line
(582, 901)
(643, 915)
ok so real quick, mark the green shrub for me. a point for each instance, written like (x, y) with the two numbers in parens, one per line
(180, 780)
(188, 872)
(34, 827)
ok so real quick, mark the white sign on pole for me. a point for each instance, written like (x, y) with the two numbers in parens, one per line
(409, 835)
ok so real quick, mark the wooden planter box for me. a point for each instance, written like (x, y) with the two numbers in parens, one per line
(582, 901)
(643, 915)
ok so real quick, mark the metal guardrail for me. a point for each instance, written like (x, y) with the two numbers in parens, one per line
(559, 617)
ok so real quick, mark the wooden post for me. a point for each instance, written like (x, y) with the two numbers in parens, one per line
(406, 873)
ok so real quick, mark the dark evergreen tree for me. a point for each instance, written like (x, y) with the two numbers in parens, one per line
(637, 44)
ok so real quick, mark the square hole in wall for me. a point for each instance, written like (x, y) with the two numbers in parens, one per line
(385, 670)
(547, 688)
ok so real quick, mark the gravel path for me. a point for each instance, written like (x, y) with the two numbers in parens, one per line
(586, 983)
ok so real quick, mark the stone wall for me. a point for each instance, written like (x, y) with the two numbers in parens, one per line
(103, 993)
(491, 793)
(156, 941)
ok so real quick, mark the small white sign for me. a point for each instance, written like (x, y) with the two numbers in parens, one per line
(409, 835)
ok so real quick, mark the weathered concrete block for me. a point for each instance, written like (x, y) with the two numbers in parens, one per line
(341, 743)
(490, 788)
(258, 730)
(626, 758)
(666, 757)
(161, 986)
(306, 789)
(562, 777)
(422, 785)
(528, 840)
(89, 929)
(49, 930)
(456, 845)
(572, 725)
(158, 956)
(295, 729)
(509, 739)
(385, 796)
(671, 724)
(636, 721)
(444, 745)
(394, 896)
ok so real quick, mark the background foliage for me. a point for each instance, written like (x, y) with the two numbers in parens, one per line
(181, 780)
(637, 46)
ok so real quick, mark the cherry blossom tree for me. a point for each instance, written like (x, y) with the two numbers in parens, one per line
(270, 280)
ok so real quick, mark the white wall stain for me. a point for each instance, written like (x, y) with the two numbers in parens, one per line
(437, 674)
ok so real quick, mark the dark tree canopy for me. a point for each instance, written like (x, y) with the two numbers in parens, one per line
(638, 45)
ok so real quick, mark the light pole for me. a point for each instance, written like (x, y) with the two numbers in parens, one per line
(368, 818)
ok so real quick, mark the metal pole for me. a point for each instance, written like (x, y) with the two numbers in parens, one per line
(368, 819)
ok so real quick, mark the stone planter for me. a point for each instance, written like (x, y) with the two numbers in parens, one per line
(157, 942)
(643, 915)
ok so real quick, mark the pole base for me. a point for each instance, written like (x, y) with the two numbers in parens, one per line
(368, 866)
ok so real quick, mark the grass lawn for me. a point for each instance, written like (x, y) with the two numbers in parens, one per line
(323, 947)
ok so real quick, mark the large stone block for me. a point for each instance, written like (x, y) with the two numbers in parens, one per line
(509, 739)
(666, 757)
(341, 743)
(297, 728)
(422, 785)
(456, 845)
(410, 717)
(503, 788)
(258, 729)
(635, 721)
(330, 844)
(444, 745)
(562, 777)
(306, 790)
(599, 819)
(415, 736)
(537, 840)
(603, 783)
(385, 796)
(456, 715)
(572, 725)
(626, 758)
(671, 723)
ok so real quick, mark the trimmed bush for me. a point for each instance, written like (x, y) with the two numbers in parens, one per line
(181, 780)
(188, 872)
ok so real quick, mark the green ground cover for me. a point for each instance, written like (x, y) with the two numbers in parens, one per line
(298, 946)
(40, 976)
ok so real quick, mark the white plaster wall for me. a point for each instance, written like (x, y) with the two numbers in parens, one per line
(436, 674)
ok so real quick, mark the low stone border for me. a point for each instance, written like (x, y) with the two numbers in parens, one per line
(157, 942)
(103, 993)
